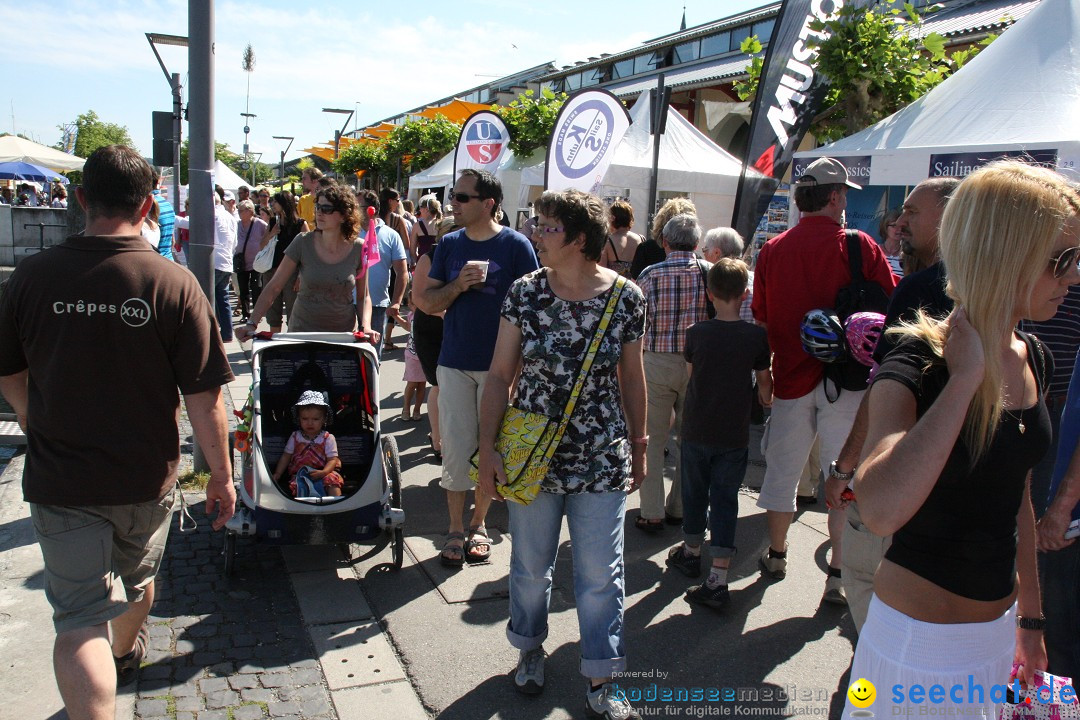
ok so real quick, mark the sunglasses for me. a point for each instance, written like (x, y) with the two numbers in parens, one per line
(325, 209)
(465, 197)
(548, 230)
(1068, 260)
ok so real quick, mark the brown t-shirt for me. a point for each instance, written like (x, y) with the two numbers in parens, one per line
(110, 331)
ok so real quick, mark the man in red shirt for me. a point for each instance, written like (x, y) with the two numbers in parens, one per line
(797, 271)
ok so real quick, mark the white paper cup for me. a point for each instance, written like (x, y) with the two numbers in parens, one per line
(483, 265)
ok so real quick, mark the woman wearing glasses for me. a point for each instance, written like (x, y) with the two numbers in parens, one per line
(329, 260)
(550, 318)
(957, 421)
(285, 226)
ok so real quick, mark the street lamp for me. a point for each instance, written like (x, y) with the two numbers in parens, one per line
(337, 133)
(282, 167)
(247, 128)
(173, 79)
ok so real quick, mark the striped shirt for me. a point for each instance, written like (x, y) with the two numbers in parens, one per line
(1061, 335)
(166, 219)
(675, 299)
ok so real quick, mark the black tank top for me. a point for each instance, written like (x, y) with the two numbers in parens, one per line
(425, 241)
(963, 538)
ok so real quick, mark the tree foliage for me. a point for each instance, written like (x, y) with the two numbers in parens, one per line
(263, 171)
(94, 133)
(876, 63)
(417, 143)
(531, 120)
(369, 157)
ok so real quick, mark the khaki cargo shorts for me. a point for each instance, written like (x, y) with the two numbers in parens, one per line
(99, 558)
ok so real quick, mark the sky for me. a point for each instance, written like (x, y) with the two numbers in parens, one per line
(65, 57)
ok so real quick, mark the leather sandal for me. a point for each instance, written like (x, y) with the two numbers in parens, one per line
(127, 667)
(478, 546)
(650, 526)
(453, 555)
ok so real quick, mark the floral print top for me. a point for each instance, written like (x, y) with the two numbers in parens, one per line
(594, 454)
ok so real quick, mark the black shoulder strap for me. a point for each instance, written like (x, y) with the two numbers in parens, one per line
(1035, 345)
(614, 252)
(854, 255)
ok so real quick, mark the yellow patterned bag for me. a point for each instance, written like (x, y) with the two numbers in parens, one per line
(528, 440)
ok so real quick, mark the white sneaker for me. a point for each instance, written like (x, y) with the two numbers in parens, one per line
(834, 591)
(609, 703)
(529, 677)
(773, 567)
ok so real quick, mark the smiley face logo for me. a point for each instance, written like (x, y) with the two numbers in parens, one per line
(862, 693)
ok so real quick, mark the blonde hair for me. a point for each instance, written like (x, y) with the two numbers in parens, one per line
(997, 232)
(673, 207)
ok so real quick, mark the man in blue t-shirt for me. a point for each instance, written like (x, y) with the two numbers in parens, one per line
(471, 272)
(1060, 566)
(166, 218)
(392, 255)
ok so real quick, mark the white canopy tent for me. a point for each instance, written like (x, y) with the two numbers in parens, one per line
(690, 164)
(16, 149)
(1020, 94)
(439, 175)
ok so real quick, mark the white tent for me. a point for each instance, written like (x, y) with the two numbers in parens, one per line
(439, 175)
(690, 164)
(226, 178)
(16, 149)
(1020, 94)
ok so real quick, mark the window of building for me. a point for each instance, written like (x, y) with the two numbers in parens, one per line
(687, 51)
(644, 63)
(623, 68)
(715, 44)
(573, 82)
(764, 29)
(738, 35)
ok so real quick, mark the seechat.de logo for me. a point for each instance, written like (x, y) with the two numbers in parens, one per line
(584, 138)
(484, 141)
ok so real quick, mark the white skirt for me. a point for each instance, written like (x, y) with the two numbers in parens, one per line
(897, 653)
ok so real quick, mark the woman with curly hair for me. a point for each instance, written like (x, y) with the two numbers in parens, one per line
(330, 263)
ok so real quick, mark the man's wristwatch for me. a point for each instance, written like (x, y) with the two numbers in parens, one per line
(1030, 623)
(835, 472)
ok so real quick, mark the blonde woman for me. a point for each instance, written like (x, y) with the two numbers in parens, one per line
(425, 230)
(957, 420)
(331, 272)
(651, 251)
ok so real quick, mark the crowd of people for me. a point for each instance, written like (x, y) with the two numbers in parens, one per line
(936, 431)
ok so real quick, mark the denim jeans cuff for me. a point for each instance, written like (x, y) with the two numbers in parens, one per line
(717, 551)
(524, 642)
(604, 668)
(694, 538)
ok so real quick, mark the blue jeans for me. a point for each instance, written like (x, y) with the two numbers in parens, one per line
(711, 477)
(1044, 470)
(221, 303)
(378, 324)
(596, 534)
(1061, 606)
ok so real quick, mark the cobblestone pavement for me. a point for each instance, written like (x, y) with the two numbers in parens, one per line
(227, 648)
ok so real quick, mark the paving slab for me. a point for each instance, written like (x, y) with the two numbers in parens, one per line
(390, 700)
(472, 581)
(354, 655)
(330, 596)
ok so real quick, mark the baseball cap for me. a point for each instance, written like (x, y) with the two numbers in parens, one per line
(826, 171)
(229, 195)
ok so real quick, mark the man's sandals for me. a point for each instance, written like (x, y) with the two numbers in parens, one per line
(127, 667)
(453, 551)
(478, 546)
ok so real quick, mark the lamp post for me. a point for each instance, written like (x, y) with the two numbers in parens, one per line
(337, 133)
(281, 170)
(247, 155)
(173, 79)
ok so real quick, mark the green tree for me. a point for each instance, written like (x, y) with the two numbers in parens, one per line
(367, 156)
(93, 133)
(419, 143)
(263, 171)
(876, 65)
(531, 120)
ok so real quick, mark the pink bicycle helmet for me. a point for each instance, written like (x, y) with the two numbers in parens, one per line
(863, 330)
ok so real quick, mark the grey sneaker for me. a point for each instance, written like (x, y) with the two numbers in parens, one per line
(774, 567)
(834, 591)
(689, 565)
(529, 677)
(610, 703)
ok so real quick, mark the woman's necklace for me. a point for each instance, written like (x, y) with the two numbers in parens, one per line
(1019, 420)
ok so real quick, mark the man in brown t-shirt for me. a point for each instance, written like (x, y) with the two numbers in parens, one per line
(98, 337)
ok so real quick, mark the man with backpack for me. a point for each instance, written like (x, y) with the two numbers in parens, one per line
(810, 267)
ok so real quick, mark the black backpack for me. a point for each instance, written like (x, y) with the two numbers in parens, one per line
(860, 295)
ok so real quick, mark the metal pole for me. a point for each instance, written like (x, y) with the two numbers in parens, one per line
(177, 120)
(658, 107)
(201, 157)
(282, 170)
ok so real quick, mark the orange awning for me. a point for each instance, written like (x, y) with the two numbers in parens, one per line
(456, 111)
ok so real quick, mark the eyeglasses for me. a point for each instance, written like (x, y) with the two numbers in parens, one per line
(1068, 260)
(548, 229)
(465, 197)
(325, 209)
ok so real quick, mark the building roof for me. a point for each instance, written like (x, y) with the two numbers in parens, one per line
(977, 17)
(685, 78)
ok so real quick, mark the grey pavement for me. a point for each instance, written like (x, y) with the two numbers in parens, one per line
(334, 632)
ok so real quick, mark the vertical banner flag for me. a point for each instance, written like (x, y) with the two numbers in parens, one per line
(789, 94)
(588, 129)
(483, 141)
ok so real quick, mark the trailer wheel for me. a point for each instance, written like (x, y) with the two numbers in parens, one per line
(392, 471)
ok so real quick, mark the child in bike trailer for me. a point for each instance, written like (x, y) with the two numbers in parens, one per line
(311, 454)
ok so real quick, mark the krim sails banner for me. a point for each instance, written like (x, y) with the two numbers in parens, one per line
(789, 94)
(588, 129)
(483, 141)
